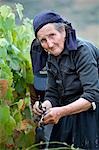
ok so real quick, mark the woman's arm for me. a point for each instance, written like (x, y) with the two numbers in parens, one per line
(88, 75)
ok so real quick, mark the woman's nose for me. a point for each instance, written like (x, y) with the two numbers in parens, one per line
(50, 43)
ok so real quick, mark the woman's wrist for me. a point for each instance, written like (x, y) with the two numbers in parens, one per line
(47, 104)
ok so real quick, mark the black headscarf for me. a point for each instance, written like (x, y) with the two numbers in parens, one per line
(44, 18)
(38, 56)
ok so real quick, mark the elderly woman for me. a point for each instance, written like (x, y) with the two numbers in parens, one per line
(72, 94)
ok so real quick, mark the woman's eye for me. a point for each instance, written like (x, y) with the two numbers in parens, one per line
(52, 35)
(43, 40)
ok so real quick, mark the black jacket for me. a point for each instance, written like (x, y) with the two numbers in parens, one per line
(73, 74)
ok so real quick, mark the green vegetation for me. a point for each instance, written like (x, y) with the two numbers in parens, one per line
(16, 125)
(15, 43)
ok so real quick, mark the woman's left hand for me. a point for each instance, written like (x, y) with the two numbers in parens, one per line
(52, 116)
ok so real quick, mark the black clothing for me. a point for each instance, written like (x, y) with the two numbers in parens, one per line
(72, 75)
(38, 56)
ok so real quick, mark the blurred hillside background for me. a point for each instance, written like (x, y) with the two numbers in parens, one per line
(83, 14)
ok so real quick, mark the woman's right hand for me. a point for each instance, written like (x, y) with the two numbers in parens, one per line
(40, 110)
(37, 108)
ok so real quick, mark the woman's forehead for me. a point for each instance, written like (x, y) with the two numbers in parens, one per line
(48, 26)
(46, 29)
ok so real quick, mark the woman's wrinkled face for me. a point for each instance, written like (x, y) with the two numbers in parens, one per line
(51, 39)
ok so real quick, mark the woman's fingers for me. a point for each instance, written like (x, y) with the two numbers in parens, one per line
(51, 116)
(36, 108)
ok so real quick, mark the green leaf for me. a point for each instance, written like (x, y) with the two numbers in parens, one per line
(18, 117)
(4, 114)
(5, 11)
(16, 50)
(10, 126)
(21, 86)
(3, 52)
(19, 8)
(15, 64)
(9, 23)
(3, 42)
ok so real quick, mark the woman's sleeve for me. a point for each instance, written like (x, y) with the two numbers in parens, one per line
(87, 70)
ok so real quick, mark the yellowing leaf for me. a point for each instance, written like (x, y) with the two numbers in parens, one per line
(21, 104)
